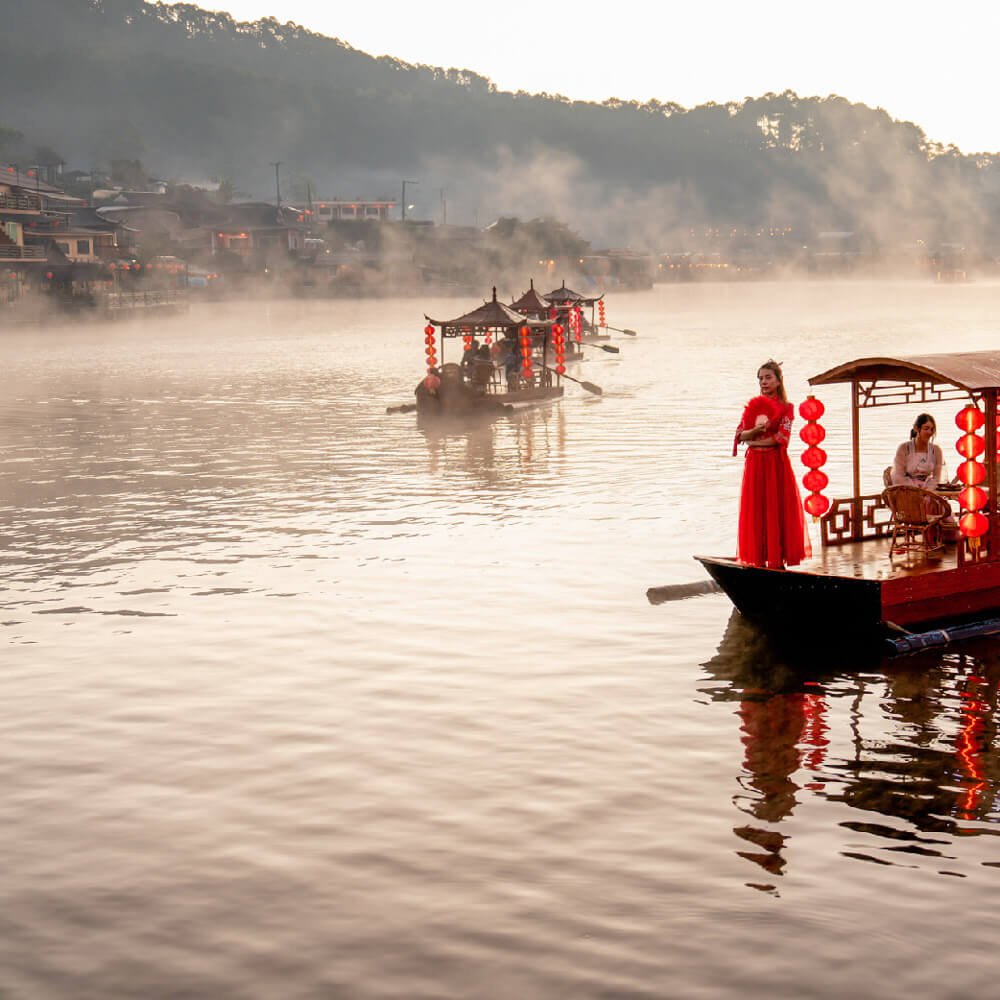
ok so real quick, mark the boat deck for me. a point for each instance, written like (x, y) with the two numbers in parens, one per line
(869, 560)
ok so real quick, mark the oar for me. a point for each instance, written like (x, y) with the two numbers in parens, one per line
(405, 408)
(589, 386)
(630, 333)
(604, 347)
(681, 591)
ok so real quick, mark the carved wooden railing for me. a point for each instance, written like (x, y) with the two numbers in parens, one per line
(837, 524)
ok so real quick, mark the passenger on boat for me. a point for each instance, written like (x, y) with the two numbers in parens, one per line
(459, 398)
(919, 461)
(772, 526)
(481, 373)
(469, 357)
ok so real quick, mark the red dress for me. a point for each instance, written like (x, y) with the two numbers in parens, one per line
(773, 529)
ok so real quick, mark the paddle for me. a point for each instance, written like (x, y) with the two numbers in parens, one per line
(405, 408)
(630, 333)
(681, 591)
(604, 347)
(589, 386)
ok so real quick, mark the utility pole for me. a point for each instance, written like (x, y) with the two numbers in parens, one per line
(404, 197)
(277, 184)
(444, 209)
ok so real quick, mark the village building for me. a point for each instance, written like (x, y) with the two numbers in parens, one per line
(333, 210)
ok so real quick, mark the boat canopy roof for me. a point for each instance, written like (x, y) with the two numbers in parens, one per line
(531, 301)
(564, 294)
(974, 371)
(489, 316)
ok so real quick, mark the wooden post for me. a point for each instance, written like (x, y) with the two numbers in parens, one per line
(856, 454)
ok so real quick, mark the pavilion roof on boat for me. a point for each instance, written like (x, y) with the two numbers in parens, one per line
(883, 381)
(562, 295)
(491, 315)
(531, 301)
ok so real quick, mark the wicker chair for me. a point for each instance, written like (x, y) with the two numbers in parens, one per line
(916, 519)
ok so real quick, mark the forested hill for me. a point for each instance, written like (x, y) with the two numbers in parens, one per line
(195, 94)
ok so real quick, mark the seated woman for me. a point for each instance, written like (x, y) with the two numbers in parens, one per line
(919, 461)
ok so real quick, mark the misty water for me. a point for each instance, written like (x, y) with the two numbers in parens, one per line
(302, 699)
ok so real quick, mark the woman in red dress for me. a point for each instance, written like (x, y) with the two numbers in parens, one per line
(773, 529)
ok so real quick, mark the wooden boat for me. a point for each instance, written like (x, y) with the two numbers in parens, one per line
(537, 306)
(854, 584)
(488, 391)
(569, 306)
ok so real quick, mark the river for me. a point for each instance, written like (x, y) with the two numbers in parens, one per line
(304, 700)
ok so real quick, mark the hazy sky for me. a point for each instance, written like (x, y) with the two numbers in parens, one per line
(929, 63)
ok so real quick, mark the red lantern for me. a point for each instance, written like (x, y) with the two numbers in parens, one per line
(972, 498)
(973, 524)
(812, 434)
(429, 330)
(561, 368)
(815, 481)
(811, 408)
(813, 458)
(971, 473)
(816, 504)
(970, 419)
(970, 446)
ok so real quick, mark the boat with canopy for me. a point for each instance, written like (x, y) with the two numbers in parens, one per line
(569, 306)
(536, 378)
(862, 579)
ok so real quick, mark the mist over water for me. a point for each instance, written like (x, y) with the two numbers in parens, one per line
(303, 699)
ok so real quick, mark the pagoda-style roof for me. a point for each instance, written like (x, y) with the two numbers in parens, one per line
(531, 301)
(562, 295)
(489, 316)
(973, 371)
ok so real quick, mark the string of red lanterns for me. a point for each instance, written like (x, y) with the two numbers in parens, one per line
(429, 349)
(811, 409)
(526, 371)
(559, 345)
(600, 313)
(972, 524)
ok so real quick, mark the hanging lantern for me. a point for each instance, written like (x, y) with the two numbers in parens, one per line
(811, 409)
(970, 419)
(816, 504)
(429, 349)
(815, 481)
(971, 473)
(973, 525)
(812, 434)
(600, 311)
(973, 498)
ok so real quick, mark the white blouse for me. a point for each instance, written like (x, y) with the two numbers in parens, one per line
(917, 468)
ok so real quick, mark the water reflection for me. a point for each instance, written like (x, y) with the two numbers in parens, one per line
(912, 740)
(494, 448)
